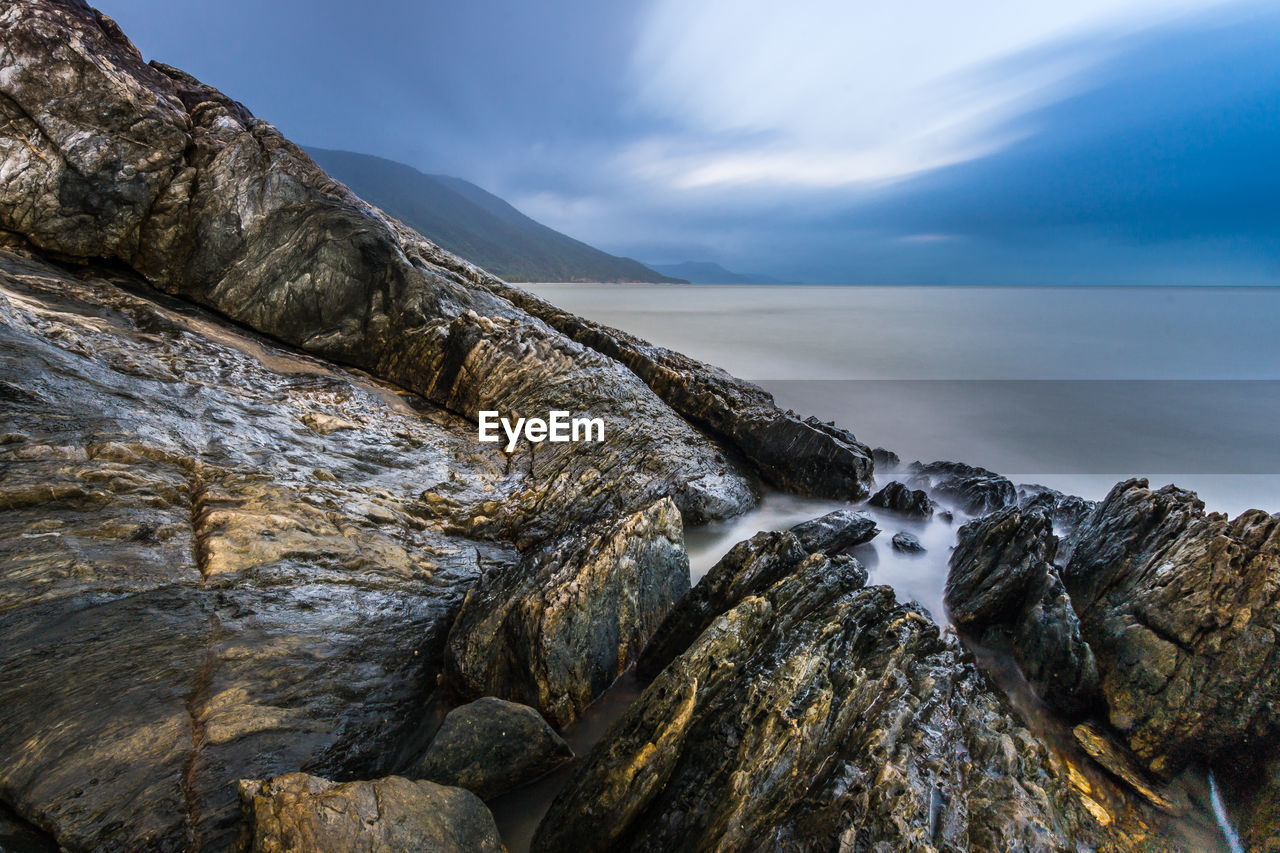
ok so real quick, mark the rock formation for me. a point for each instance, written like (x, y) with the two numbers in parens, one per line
(296, 812)
(906, 543)
(1180, 608)
(1004, 592)
(817, 713)
(897, 497)
(749, 568)
(490, 746)
(973, 490)
(556, 629)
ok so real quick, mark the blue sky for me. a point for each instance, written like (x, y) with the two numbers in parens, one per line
(924, 141)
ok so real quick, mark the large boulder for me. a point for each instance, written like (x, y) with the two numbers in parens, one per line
(1004, 592)
(1180, 608)
(821, 714)
(555, 630)
(299, 813)
(490, 746)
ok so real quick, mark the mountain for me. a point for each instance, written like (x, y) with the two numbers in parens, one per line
(705, 272)
(473, 223)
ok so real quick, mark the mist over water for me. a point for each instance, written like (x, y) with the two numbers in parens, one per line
(1076, 388)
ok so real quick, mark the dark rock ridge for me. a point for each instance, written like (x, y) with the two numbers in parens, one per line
(899, 498)
(1004, 592)
(296, 812)
(820, 714)
(749, 568)
(148, 166)
(974, 490)
(490, 746)
(1180, 608)
(555, 630)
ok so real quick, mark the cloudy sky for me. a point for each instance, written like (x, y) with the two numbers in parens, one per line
(923, 141)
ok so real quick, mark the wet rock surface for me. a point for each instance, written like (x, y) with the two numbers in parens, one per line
(1005, 593)
(899, 498)
(1067, 512)
(906, 543)
(227, 559)
(1180, 609)
(974, 490)
(297, 812)
(749, 568)
(836, 531)
(821, 714)
(490, 746)
(556, 629)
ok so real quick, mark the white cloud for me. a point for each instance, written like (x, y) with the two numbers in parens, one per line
(829, 93)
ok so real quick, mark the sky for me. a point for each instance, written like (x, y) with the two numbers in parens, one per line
(841, 141)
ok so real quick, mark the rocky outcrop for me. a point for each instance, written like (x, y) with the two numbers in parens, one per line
(820, 714)
(897, 497)
(835, 532)
(147, 166)
(298, 813)
(1004, 592)
(199, 586)
(555, 630)
(1180, 610)
(973, 490)
(490, 746)
(749, 568)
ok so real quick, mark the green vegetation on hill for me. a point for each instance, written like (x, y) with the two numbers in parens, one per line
(473, 223)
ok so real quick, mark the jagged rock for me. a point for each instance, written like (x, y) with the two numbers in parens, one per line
(835, 532)
(974, 490)
(1180, 609)
(299, 813)
(749, 568)
(906, 543)
(947, 516)
(557, 629)
(1067, 512)
(490, 746)
(148, 166)
(1004, 592)
(886, 460)
(821, 715)
(175, 571)
(899, 498)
